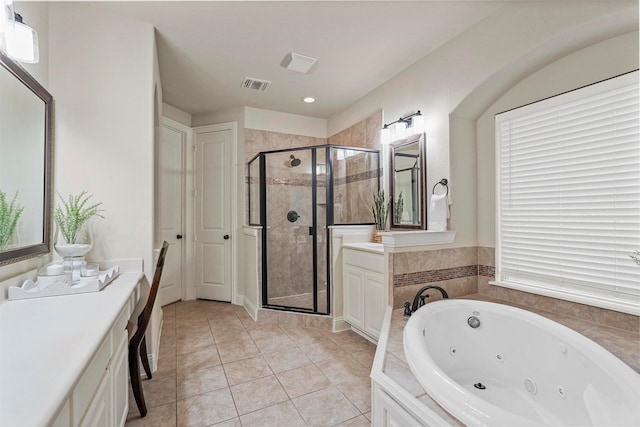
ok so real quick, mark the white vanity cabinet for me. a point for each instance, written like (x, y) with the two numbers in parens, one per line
(363, 282)
(73, 369)
(100, 398)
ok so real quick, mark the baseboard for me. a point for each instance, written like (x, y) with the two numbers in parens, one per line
(340, 325)
(365, 335)
(251, 309)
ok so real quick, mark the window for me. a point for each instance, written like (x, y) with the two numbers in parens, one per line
(568, 196)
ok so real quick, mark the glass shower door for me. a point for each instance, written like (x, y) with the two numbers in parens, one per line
(289, 228)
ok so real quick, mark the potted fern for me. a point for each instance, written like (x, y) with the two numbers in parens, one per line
(9, 215)
(380, 210)
(74, 235)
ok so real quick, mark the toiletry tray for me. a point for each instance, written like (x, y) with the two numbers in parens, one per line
(49, 286)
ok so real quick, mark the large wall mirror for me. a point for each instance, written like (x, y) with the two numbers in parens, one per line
(408, 180)
(26, 114)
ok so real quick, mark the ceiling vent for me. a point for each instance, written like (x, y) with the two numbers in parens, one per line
(256, 84)
(296, 62)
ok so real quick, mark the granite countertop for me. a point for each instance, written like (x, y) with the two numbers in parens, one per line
(624, 344)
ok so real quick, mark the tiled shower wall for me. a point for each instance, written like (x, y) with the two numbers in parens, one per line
(355, 178)
(463, 271)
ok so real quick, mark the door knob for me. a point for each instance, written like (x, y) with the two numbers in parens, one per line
(179, 236)
(226, 237)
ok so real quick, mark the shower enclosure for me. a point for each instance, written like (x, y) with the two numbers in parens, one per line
(295, 195)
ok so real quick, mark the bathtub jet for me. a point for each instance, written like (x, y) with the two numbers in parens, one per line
(534, 371)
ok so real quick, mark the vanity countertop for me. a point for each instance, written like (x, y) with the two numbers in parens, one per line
(376, 248)
(46, 343)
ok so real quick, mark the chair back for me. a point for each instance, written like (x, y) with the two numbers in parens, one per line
(145, 316)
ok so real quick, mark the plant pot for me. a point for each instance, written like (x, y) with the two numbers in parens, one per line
(73, 252)
(81, 244)
(377, 236)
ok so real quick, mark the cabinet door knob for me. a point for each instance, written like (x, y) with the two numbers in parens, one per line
(226, 237)
(179, 236)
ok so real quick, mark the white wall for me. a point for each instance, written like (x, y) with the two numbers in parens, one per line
(101, 76)
(275, 121)
(586, 66)
(443, 80)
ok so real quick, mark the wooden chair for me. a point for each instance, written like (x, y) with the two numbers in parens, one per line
(137, 336)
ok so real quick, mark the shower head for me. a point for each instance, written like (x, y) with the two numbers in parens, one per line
(294, 162)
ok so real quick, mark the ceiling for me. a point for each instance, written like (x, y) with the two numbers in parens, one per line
(206, 48)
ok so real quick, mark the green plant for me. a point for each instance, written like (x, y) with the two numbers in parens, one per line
(9, 215)
(398, 209)
(380, 210)
(74, 213)
(635, 257)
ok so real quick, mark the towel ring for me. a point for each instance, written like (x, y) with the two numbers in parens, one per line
(442, 182)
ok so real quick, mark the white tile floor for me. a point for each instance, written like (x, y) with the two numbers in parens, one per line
(217, 367)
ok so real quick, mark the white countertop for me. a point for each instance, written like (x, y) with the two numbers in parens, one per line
(45, 345)
(376, 248)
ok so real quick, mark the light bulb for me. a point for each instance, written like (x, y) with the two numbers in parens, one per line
(22, 44)
(385, 135)
(417, 124)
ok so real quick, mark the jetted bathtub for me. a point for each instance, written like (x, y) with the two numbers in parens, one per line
(495, 365)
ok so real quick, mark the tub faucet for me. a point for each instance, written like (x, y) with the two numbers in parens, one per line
(419, 299)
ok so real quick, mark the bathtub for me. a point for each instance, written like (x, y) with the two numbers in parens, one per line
(495, 365)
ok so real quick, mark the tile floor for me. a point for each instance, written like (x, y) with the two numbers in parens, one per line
(217, 367)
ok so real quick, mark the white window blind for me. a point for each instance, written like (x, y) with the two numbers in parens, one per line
(568, 195)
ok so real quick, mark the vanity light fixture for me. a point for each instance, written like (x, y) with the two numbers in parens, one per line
(22, 42)
(6, 22)
(403, 127)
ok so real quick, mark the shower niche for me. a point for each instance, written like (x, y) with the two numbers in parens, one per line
(295, 195)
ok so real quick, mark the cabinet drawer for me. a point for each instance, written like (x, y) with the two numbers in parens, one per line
(90, 380)
(363, 259)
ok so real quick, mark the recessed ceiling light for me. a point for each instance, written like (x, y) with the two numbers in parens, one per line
(309, 99)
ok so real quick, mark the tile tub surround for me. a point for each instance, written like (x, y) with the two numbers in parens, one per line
(587, 313)
(462, 271)
(624, 345)
(219, 367)
(455, 270)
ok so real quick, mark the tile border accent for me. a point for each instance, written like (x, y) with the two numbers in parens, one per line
(419, 277)
(487, 271)
(362, 176)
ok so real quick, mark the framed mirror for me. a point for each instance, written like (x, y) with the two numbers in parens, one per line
(26, 143)
(408, 180)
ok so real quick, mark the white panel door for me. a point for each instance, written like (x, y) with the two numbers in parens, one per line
(213, 214)
(170, 208)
